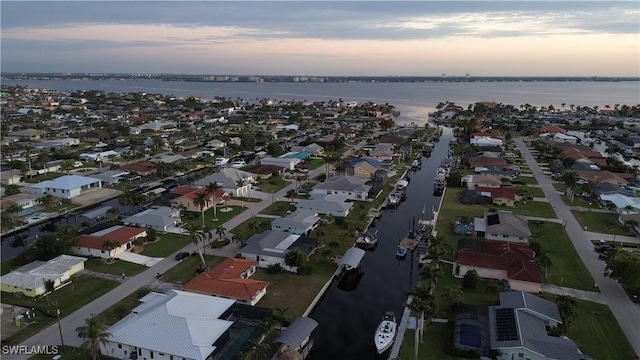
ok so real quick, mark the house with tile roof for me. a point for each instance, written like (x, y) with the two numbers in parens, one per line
(143, 168)
(500, 260)
(94, 244)
(552, 129)
(66, 186)
(187, 195)
(503, 226)
(230, 280)
(30, 279)
(485, 181)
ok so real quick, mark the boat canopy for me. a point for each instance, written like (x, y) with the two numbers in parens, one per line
(296, 334)
(352, 258)
(402, 183)
(96, 213)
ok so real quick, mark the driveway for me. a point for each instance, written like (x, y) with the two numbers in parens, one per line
(623, 309)
(138, 259)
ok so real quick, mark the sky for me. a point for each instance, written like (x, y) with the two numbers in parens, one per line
(323, 38)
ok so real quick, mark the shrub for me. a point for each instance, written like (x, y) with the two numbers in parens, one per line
(142, 291)
(471, 279)
(274, 269)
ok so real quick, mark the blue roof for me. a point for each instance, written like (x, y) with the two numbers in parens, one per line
(66, 182)
(373, 162)
(300, 155)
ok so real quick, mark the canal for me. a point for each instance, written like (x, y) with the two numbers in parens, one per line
(348, 316)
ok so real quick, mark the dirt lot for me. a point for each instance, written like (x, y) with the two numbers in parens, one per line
(96, 195)
(8, 327)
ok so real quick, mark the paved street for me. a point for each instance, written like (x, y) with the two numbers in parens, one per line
(623, 309)
(50, 335)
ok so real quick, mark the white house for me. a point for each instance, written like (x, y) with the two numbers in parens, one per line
(94, 244)
(25, 201)
(177, 325)
(287, 163)
(164, 219)
(349, 187)
(10, 177)
(30, 279)
(325, 207)
(233, 181)
(502, 226)
(65, 187)
(298, 222)
(270, 247)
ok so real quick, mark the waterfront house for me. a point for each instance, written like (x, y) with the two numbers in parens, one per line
(364, 169)
(25, 201)
(270, 247)
(500, 260)
(10, 177)
(499, 196)
(187, 195)
(289, 163)
(502, 226)
(486, 161)
(65, 187)
(119, 238)
(298, 222)
(326, 205)
(349, 187)
(485, 181)
(143, 168)
(230, 280)
(30, 279)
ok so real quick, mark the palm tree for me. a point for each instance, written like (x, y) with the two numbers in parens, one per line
(110, 245)
(114, 211)
(320, 234)
(431, 272)
(13, 209)
(93, 334)
(221, 231)
(196, 236)
(66, 166)
(291, 194)
(211, 189)
(201, 200)
(567, 307)
(423, 302)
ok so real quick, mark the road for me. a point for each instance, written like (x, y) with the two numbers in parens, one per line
(51, 335)
(625, 311)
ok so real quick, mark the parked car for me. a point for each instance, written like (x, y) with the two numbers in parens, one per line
(604, 256)
(581, 182)
(182, 255)
(602, 248)
(529, 197)
(517, 182)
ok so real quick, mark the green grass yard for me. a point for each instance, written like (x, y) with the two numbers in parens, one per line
(273, 184)
(168, 244)
(185, 270)
(529, 190)
(118, 267)
(222, 217)
(43, 177)
(605, 223)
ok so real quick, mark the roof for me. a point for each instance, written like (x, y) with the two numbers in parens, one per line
(192, 193)
(530, 302)
(352, 258)
(270, 243)
(324, 205)
(356, 160)
(485, 179)
(101, 211)
(227, 280)
(66, 182)
(621, 201)
(504, 223)
(226, 178)
(33, 275)
(144, 166)
(486, 160)
(498, 193)
(551, 129)
(121, 234)
(483, 134)
(298, 219)
(297, 332)
(176, 323)
(160, 216)
(344, 183)
(518, 260)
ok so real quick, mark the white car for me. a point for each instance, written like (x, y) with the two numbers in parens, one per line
(238, 164)
(221, 161)
(581, 182)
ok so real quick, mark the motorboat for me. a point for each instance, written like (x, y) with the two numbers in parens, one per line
(238, 164)
(386, 332)
(221, 161)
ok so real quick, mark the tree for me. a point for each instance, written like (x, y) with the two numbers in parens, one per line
(294, 258)
(211, 189)
(453, 295)
(431, 272)
(569, 178)
(114, 212)
(201, 200)
(152, 234)
(320, 234)
(493, 288)
(471, 279)
(110, 245)
(196, 236)
(291, 194)
(624, 267)
(11, 189)
(221, 231)
(423, 302)
(567, 307)
(93, 334)
(67, 166)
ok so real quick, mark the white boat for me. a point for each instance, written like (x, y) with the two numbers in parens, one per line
(238, 164)
(386, 332)
(221, 161)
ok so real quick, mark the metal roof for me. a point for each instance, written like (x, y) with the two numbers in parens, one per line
(297, 332)
(66, 182)
(352, 257)
(101, 211)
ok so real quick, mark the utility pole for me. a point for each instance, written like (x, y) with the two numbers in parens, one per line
(59, 326)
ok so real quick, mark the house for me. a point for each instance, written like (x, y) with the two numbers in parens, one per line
(502, 226)
(497, 171)
(30, 279)
(216, 144)
(183, 325)
(94, 136)
(313, 149)
(323, 206)
(485, 181)
(288, 163)
(517, 328)
(143, 168)
(163, 219)
(187, 196)
(364, 169)
(552, 129)
(499, 196)
(483, 160)
(28, 134)
(232, 181)
(65, 187)
(349, 187)
(604, 176)
(25, 201)
(111, 177)
(270, 247)
(230, 280)
(558, 137)
(10, 177)
(298, 222)
(500, 260)
(95, 244)
(623, 204)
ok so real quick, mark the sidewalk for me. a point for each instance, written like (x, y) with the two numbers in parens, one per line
(580, 294)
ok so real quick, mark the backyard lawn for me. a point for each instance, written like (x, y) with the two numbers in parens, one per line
(272, 185)
(279, 208)
(605, 223)
(560, 187)
(185, 270)
(566, 266)
(168, 244)
(43, 177)
(118, 267)
(581, 202)
(81, 291)
(529, 190)
(530, 180)
(222, 216)
(315, 163)
(6, 266)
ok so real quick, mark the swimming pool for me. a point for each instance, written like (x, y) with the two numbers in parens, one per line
(38, 216)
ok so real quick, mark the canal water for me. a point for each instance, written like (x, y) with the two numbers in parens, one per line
(348, 315)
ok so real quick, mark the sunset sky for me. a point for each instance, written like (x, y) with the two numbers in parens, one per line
(508, 38)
